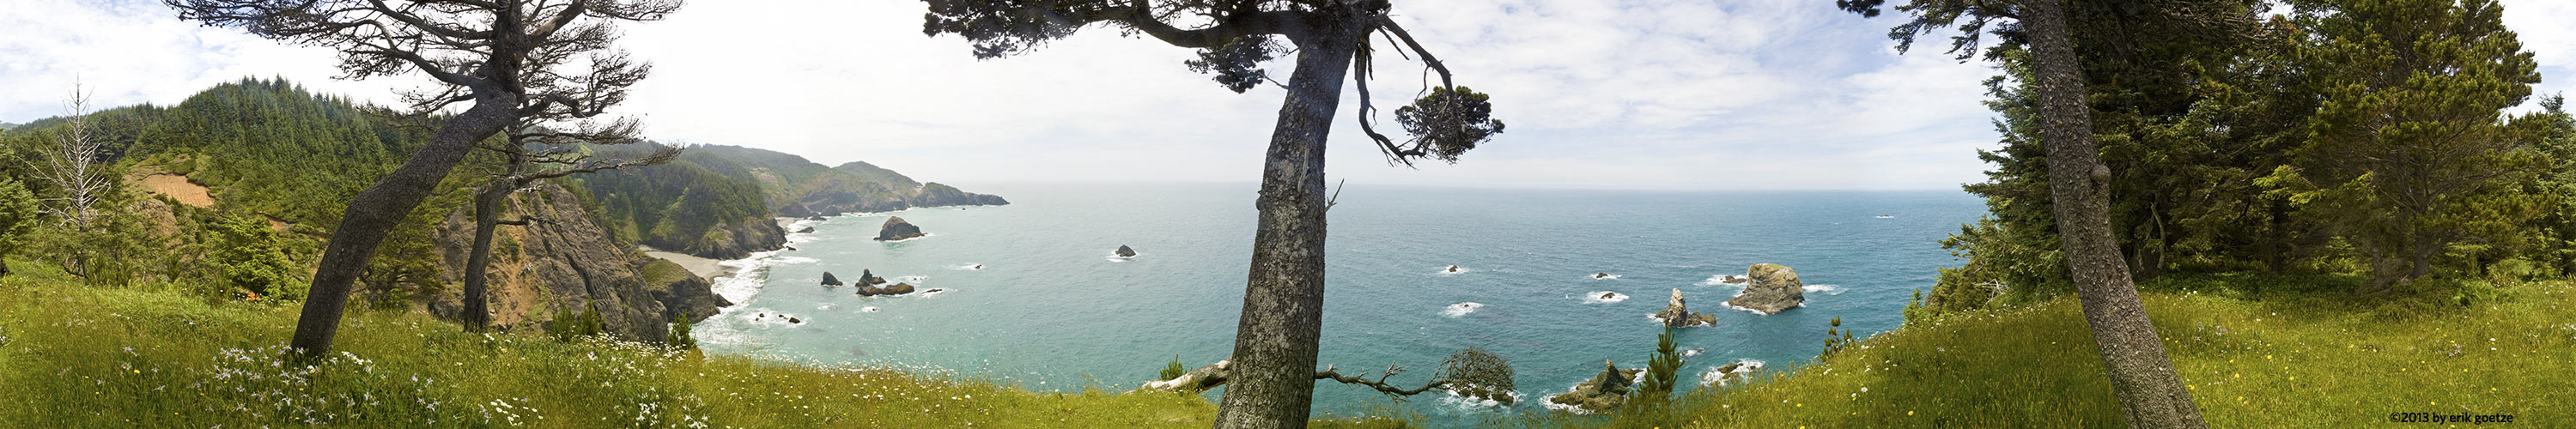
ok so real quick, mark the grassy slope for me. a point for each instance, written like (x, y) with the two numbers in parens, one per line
(81, 357)
(2297, 355)
(2293, 357)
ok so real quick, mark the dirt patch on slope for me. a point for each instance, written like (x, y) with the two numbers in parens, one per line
(178, 188)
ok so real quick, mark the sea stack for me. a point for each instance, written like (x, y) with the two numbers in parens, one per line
(870, 279)
(828, 280)
(896, 229)
(1773, 289)
(1679, 316)
(1604, 392)
(1125, 252)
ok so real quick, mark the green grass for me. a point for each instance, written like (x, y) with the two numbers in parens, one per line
(2294, 353)
(83, 357)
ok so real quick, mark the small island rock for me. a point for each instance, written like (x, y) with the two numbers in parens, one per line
(1604, 392)
(896, 229)
(807, 230)
(828, 280)
(1679, 316)
(1774, 289)
(1125, 252)
(870, 279)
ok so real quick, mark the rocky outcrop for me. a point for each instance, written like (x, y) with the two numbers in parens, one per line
(870, 279)
(680, 291)
(934, 194)
(828, 280)
(565, 261)
(897, 289)
(1604, 392)
(729, 240)
(807, 230)
(1773, 289)
(1679, 316)
(896, 229)
(1125, 252)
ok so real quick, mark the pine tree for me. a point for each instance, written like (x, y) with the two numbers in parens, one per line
(1662, 370)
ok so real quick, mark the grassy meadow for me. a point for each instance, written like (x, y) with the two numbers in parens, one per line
(2295, 353)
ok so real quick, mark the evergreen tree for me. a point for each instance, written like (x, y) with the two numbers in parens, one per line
(2409, 155)
(17, 219)
(1662, 370)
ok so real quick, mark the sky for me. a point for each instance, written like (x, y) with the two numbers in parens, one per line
(1635, 94)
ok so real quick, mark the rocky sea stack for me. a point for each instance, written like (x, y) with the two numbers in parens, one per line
(828, 280)
(1679, 316)
(1774, 289)
(1125, 252)
(870, 279)
(897, 289)
(896, 229)
(1604, 392)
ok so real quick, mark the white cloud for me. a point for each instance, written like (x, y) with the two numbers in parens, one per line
(129, 52)
(2544, 28)
(1767, 94)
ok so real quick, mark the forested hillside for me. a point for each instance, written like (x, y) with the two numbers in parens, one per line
(698, 204)
(2318, 154)
(796, 187)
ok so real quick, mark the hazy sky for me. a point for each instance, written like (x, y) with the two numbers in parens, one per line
(1690, 94)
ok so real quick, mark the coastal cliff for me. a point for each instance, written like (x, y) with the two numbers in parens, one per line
(564, 261)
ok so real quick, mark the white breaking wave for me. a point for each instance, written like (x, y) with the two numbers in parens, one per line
(1462, 403)
(923, 235)
(1715, 377)
(1601, 276)
(870, 310)
(1461, 309)
(827, 307)
(1720, 280)
(1453, 269)
(749, 274)
(968, 267)
(1603, 297)
(785, 260)
(1826, 289)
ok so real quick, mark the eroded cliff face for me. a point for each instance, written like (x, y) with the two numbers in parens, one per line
(562, 260)
(731, 240)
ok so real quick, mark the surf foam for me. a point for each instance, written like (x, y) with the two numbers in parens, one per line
(1603, 297)
(1461, 309)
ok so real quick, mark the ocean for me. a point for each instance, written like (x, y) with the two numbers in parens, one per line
(1031, 295)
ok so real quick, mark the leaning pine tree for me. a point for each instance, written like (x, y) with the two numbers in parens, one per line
(509, 59)
(2150, 392)
(1275, 340)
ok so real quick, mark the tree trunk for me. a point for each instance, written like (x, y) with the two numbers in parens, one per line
(487, 217)
(2141, 375)
(1273, 378)
(374, 212)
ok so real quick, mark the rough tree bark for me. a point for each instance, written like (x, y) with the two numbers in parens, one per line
(487, 218)
(374, 212)
(2141, 375)
(1283, 302)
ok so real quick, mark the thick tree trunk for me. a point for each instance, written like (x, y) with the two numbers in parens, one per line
(487, 217)
(373, 213)
(2141, 375)
(1273, 377)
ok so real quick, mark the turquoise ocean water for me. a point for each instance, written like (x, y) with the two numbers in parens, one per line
(1050, 308)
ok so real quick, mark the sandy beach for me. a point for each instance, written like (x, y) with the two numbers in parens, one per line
(703, 267)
